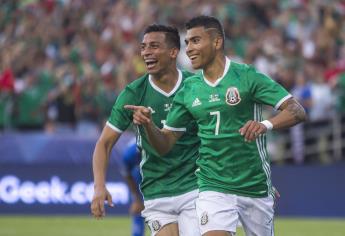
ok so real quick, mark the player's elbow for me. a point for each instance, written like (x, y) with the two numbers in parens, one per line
(305, 116)
(165, 147)
(302, 115)
(103, 145)
(296, 110)
(162, 152)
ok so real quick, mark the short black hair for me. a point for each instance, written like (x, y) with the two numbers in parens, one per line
(207, 22)
(172, 35)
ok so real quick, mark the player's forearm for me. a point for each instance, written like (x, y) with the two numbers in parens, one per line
(101, 154)
(100, 163)
(292, 113)
(161, 141)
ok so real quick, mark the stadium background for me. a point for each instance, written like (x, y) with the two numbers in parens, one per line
(63, 62)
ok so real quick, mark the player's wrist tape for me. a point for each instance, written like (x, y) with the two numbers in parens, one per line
(267, 124)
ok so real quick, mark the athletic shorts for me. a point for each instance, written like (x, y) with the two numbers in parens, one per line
(178, 209)
(221, 211)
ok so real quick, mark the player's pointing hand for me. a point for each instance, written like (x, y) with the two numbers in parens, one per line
(141, 114)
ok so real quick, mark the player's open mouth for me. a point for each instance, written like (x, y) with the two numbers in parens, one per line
(192, 58)
(150, 63)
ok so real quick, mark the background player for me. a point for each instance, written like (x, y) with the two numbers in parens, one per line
(130, 171)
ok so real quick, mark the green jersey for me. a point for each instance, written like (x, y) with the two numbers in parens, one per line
(174, 173)
(227, 163)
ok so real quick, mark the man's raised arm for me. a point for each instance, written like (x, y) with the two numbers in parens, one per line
(162, 140)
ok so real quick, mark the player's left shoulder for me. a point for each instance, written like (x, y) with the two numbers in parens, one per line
(240, 68)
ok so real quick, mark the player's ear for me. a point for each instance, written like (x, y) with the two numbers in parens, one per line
(218, 42)
(174, 52)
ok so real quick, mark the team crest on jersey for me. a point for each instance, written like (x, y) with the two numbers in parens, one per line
(204, 218)
(156, 225)
(232, 96)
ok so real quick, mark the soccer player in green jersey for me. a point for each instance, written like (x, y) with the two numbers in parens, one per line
(226, 99)
(169, 184)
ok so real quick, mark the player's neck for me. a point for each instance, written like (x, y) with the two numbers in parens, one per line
(167, 80)
(215, 69)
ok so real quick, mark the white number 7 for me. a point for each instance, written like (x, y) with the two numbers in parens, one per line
(217, 114)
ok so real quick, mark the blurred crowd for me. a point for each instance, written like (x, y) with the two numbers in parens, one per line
(63, 62)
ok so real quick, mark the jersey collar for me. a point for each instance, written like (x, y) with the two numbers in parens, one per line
(177, 85)
(227, 66)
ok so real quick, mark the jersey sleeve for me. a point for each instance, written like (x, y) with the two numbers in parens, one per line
(120, 118)
(178, 117)
(265, 90)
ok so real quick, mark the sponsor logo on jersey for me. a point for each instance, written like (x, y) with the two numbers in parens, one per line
(196, 102)
(167, 106)
(214, 98)
(204, 218)
(156, 225)
(232, 96)
(151, 109)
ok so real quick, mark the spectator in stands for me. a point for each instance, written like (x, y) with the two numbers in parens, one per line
(279, 37)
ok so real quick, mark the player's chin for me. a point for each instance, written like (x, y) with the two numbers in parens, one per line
(196, 66)
(152, 71)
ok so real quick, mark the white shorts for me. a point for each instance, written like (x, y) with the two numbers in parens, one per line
(221, 211)
(178, 209)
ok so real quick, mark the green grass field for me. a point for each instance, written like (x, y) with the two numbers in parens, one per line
(119, 226)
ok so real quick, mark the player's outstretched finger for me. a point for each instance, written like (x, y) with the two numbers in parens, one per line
(131, 107)
(136, 109)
